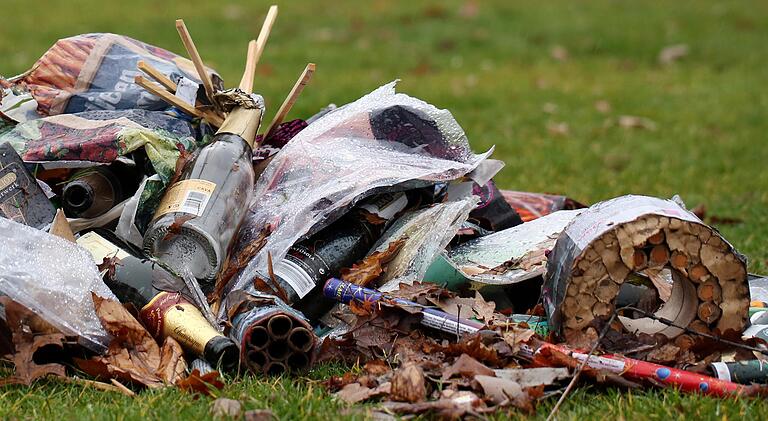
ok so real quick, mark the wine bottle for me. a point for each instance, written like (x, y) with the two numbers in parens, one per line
(132, 278)
(311, 262)
(93, 191)
(199, 214)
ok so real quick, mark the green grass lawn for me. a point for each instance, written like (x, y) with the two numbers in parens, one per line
(491, 64)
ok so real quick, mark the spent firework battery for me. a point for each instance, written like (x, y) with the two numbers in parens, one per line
(273, 338)
(346, 292)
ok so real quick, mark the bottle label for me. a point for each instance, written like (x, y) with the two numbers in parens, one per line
(187, 196)
(100, 248)
(302, 270)
(169, 314)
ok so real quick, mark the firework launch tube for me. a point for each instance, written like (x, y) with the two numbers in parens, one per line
(630, 368)
(346, 292)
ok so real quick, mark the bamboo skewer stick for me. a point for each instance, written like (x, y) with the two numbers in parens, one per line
(186, 39)
(176, 102)
(285, 108)
(256, 48)
(155, 74)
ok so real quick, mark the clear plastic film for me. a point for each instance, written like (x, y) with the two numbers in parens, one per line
(383, 141)
(54, 278)
(502, 258)
(425, 232)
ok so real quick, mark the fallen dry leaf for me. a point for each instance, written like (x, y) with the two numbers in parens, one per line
(173, 366)
(559, 53)
(501, 391)
(635, 122)
(377, 367)
(355, 392)
(27, 333)
(531, 377)
(26, 370)
(259, 415)
(558, 128)
(451, 405)
(603, 106)
(672, 53)
(203, 385)
(408, 384)
(484, 310)
(371, 267)
(466, 366)
(133, 355)
(457, 306)
(226, 408)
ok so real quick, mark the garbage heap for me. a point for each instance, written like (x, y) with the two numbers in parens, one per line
(155, 233)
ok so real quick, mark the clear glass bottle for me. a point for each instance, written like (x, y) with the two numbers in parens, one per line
(199, 214)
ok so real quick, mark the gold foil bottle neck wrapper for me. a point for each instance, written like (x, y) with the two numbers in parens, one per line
(243, 122)
(169, 314)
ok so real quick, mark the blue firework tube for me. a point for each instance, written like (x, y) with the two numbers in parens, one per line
(346, 292)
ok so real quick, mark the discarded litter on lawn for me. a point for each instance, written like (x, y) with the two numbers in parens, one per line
(157, 233)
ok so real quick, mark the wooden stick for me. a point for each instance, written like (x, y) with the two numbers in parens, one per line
(255, 48)
(306, 75)
(186, 39)
(176, 102)
(155, 74)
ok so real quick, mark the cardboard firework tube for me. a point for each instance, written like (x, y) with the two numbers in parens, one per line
(273, 338)
(346, 292)
(614, 239)
(743, 372)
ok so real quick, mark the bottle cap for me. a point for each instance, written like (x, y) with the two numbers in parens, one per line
(222, 351)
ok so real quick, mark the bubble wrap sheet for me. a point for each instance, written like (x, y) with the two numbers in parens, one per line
(382, 140)
(54, 278)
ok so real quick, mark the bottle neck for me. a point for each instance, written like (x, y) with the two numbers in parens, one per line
(242, 122)
(129, 274)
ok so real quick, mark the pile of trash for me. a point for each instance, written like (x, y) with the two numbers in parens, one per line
(155, 234)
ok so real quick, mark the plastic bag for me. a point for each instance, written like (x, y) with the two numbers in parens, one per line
(54, 278)
(96, 72)
(383, 141)
(426, 233)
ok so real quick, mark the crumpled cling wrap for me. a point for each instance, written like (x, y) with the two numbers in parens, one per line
(611, 240)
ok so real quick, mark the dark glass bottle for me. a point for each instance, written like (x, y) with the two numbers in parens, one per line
(199, 215)
(311, 262)
(132, 278)
(93, 191)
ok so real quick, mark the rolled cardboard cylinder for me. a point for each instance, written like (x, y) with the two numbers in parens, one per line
(620, 232)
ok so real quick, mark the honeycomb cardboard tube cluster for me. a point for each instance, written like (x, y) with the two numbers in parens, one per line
(699, 277)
